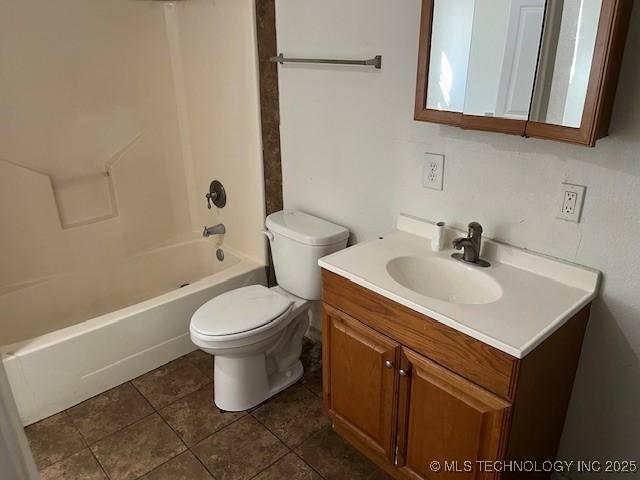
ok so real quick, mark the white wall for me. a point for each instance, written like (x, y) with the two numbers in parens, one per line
(351, 152)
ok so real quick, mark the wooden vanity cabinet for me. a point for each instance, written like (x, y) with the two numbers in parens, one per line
(445, 418)
(407, 391)
(363, 381)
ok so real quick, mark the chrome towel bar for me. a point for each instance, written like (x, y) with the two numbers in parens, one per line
(374, 62)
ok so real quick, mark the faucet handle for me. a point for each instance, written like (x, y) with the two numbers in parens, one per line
(216, 195)
(211, 197)
(474, 229)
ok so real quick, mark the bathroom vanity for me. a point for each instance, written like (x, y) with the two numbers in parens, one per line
(420, 370)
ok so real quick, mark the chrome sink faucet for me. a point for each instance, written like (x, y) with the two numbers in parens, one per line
(470, 246)
(214, 230)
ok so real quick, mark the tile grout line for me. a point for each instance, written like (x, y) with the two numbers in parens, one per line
(202, 463)
(89, 444)
(93, 455)
(218, 430)
(142, 395)
(247, 414)
(191, 362)
(99, 464)
(307, 464)
(112, 434)
(291, 449)
(154, 412)
(275, 461)
(73, 425)
(281, 440)
(165, 462)
(309, 390)
(157, 411)
(188, 448)
(166, 423)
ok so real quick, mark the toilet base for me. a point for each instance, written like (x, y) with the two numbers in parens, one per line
(242, 383)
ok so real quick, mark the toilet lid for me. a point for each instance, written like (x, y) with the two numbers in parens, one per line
(239, 310)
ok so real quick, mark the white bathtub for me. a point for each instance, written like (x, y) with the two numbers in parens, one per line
(69, 337)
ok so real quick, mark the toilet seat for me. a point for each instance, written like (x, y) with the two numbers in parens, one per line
(240, 313)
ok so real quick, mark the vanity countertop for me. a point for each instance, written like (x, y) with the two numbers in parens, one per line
(539, 293)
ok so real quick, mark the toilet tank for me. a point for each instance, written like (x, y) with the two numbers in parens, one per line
(297, 241)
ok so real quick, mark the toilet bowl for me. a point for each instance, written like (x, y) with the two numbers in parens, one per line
(254, 332)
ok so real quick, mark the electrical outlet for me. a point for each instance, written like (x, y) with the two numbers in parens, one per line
(433, 171)
(571, 202)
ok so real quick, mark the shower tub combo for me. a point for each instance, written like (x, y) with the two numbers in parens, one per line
(69, 337)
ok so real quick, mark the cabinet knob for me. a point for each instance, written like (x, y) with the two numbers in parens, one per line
(403, 373)
(388, 364)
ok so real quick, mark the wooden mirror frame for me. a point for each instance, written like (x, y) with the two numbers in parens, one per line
(615, 17)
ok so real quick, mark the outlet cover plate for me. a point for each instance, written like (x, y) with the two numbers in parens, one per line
(571, 202)
(433, 171)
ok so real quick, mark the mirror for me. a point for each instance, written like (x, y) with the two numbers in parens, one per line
(512, 59)
(566, 55)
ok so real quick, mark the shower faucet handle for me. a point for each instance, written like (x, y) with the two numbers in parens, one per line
(216, 195)
(211, 197)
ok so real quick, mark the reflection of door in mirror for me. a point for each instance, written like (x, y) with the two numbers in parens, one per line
(449, 59)
(565, 61)
(503, 57)
(483, 56)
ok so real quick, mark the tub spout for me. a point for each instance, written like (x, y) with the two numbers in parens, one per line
(214, 230)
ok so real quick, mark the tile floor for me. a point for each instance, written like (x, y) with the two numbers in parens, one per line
(164, 426)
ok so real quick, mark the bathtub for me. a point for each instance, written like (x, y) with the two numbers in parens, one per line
(69, 337)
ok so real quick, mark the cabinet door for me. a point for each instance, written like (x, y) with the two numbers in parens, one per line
(445, 418)
(360, 380)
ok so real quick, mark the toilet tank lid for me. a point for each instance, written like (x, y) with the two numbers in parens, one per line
(305, 228)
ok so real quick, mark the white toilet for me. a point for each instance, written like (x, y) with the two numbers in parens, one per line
(256, 332)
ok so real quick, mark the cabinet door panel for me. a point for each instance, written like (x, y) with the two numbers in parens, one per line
(361, 390)
(446, 418)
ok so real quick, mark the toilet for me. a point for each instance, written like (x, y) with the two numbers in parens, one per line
(255, 333)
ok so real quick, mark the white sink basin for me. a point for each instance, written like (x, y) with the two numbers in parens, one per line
(512, 306)
(445, 279)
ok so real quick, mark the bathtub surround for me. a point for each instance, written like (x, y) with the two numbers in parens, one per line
(97, 165)
(109, 139)
(217, 70)
(353, 155)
